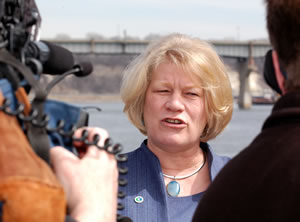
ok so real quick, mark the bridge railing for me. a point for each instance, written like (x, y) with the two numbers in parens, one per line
(236, 49)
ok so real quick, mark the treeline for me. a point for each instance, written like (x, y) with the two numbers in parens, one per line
(97, 36)
(105, 78)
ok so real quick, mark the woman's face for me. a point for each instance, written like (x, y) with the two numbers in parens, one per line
(174, 113)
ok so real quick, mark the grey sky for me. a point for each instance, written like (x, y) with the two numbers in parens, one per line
(207, 19)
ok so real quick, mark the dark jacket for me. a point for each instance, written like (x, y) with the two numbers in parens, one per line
(262, 183)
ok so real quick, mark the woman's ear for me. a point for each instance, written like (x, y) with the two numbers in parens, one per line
(279, 75)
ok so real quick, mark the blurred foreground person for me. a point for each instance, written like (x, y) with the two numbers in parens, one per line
(31, 125)
(262, 182)
(178, 94)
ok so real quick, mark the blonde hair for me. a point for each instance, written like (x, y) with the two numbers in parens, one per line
(198, 59)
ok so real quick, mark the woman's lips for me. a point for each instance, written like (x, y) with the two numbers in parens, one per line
(174, 121)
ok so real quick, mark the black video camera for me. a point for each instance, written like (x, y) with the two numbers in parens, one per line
(19, 25)
(49, 123)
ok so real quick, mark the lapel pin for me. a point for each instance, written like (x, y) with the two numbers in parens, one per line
(139, 199)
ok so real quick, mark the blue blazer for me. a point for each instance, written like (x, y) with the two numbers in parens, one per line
(146, 197)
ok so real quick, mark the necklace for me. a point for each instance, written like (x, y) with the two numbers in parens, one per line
(173, 188)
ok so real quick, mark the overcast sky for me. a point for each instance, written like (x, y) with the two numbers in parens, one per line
(207, 19)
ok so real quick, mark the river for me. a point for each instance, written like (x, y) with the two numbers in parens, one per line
(242, 129)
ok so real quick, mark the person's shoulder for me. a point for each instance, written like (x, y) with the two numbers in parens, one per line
(221, 159)
(216, 161)
(136, 151)
(138, 154)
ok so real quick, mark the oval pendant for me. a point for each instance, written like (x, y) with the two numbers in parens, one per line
(173, 188)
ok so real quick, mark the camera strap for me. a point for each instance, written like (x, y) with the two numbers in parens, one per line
(37, 135)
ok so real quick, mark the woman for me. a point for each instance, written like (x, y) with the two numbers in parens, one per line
(178, 94)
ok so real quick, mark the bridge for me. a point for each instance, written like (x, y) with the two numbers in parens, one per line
(245, 53)
(236, 49)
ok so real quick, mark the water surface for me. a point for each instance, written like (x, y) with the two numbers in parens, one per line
(242, 129)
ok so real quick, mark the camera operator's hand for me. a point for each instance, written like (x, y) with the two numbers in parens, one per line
(90, 183)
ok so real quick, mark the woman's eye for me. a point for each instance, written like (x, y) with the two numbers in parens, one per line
(163, 90)
(192, 94)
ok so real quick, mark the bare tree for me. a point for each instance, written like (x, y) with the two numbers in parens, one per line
(94, 36)
(63, 36)
(152, 36)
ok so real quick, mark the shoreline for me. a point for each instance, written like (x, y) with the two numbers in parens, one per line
(86, 98)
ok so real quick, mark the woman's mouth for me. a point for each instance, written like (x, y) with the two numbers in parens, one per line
(174, 121)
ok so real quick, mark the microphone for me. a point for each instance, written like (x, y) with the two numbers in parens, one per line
(55, 59)
(83, 69)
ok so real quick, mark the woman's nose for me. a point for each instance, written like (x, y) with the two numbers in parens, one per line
(175, 103)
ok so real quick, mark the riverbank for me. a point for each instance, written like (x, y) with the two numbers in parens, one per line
(86, 98)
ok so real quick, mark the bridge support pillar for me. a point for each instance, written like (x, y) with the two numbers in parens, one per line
(245, 98)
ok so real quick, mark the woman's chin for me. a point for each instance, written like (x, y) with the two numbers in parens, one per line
(173, 142)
